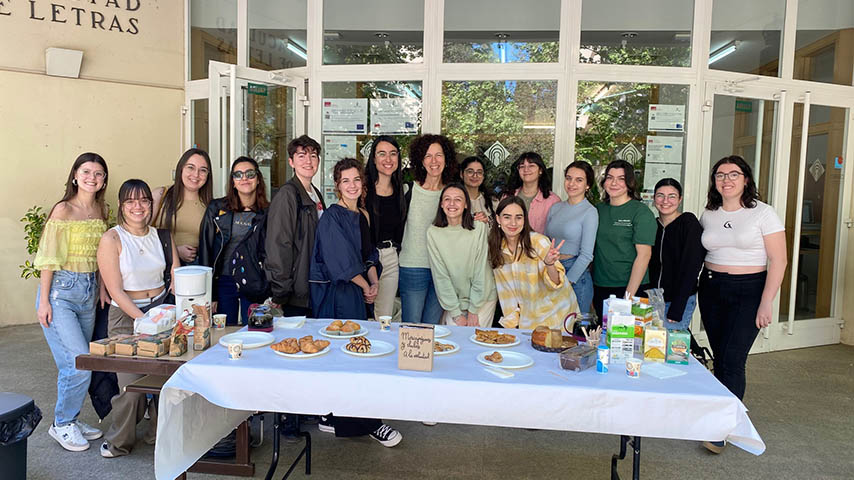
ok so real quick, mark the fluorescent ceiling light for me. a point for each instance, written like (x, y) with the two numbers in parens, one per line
(723, 51)
(299, 51)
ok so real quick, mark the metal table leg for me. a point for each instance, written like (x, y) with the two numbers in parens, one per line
(636, 448)
(306, 450)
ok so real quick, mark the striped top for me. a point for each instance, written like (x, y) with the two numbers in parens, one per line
(527, 294)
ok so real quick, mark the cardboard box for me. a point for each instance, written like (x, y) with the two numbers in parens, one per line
(202, 327)
(622, 349)
(104, 347)
(127, 346)
(153, 345)
(654, 344)
(678, 346)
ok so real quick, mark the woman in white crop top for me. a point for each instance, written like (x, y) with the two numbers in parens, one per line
(745, 261)
(132, 262)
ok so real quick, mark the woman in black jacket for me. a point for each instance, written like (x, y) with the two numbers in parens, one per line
(227, 222)
(677, 255)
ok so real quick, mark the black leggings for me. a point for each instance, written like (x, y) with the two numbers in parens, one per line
(728, 306)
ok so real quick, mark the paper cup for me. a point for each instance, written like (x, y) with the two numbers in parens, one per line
(235, 350)
(385, 323)
(219, 321)
(633, 367)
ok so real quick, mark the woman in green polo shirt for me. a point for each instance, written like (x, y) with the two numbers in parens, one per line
(624, 239)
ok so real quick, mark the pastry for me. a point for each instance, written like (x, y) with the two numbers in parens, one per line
(359, 345)
(347, 329)
(442, 347)
(288, 345)
(538, 337)
(334, 326)
(495, 357)
(493, 337)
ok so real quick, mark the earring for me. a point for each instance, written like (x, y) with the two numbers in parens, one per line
(74, 181)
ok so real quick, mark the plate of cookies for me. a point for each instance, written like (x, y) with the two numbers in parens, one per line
(445, 347)
(305, 347)
(362, 347)
(343, 329)
(493, 338)
(505, 359)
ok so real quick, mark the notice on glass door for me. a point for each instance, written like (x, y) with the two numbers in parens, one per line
(345, 115)
(666, 118)
(335, 147)
(662, 149)
(395, 116)
(653, 172)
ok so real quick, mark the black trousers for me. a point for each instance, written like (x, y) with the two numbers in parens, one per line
(601, 293)
(353, 427)
(728, 306)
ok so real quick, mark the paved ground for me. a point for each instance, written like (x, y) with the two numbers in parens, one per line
(800, 402)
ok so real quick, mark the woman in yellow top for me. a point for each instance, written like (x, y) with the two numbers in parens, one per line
(68, 290)
(531, 282)
(181, 207)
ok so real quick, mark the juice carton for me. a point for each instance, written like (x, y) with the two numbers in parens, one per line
(678, 346)
(621, 336)
(613, 305)
(654, 344)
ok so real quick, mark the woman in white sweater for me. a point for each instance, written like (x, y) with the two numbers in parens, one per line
(458, 252)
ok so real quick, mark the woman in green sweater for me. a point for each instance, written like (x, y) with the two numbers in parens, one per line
(458, 253)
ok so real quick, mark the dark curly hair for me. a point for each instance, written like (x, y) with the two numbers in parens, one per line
(544, 183)
(631, 180)
(418, 149)
(750, 195)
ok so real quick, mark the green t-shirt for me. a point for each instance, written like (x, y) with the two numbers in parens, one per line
(620, 229)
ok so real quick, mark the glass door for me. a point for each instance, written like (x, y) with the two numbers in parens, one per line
(254, 113)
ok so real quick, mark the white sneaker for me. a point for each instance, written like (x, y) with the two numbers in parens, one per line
(324, 425)
(105, 451)
(430, 424)
(69, 437)
(89, 432)
(387, 436)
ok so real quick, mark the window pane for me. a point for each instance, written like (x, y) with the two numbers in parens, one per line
(641, 123)
(213, 35)
(824, 41)
(277, 34)
(373, 31)
(637, 33)
(401, 99)
(500, 120)
(200, 124)
(746, 36)
(501, 31)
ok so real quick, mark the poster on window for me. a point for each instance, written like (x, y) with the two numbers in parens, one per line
(395, 116)
(666, 118)
(345, 115)
(653, 172)
(661, 149)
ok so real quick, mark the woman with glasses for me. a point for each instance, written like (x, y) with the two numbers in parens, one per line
(530, 181)
(434, 161)
(69, 289)
(574, 223)
(483, 202)
(386, 204)
(745, 262)
(180, 207)
(677, 255)
(133, 258)
(624, 238)
(227, 222)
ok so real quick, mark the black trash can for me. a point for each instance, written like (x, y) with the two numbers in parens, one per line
(19, 416)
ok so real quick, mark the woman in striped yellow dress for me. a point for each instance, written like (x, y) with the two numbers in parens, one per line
(531, 282)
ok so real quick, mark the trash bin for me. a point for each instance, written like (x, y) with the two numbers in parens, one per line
(19, 416)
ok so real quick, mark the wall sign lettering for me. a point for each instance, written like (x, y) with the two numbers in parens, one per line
(117, 16)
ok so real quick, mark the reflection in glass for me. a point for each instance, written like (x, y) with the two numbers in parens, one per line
(268, 128)
(200, 125)
(825, 41)
(277, 34)
(746, 36)
(213, 35)
(373, 31)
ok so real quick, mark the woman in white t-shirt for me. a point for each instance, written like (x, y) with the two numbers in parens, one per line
(745, 261)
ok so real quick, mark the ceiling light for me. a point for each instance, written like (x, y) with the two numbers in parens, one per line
(381, 35)
(723, 51)
(299, 51)
(331, 35)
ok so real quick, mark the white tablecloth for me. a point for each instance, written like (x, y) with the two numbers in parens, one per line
(210, 395)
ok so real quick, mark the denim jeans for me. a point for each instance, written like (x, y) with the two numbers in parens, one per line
(583, 288)
(683, 324)
(72, 301)
(418, 300)
(230, 301)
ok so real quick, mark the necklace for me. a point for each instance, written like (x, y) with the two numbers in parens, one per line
(81, 207)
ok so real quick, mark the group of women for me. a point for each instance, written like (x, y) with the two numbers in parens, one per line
(454, 251)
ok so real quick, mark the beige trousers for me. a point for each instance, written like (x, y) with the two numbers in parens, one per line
(385, 304)
(484, 315)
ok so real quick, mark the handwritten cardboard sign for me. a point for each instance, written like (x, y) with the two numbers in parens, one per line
(416, 347)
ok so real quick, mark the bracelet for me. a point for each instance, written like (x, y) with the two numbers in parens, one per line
(549, 264)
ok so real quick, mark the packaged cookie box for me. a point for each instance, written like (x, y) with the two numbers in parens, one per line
(154, 345)
(105, 346)
(678, 346)
(578, 358)
(127, 346)
(654, 344)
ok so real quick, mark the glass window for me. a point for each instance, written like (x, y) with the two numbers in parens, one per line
(746, 36)
(200, 122)
(383, 108)
(500, 120)
(637, 33)
(501, 31)
(825, 41)
(277, 34)
(213, 35)
(641, 123)
(373, 31)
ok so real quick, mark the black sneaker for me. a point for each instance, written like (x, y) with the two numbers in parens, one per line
(387, 436)
(324, 425)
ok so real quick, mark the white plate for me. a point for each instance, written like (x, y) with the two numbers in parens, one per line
(378, 348)
(303, 355)
(250, 339)
(360, 333)
(448, 352)
(511, 360)
(289, 322)
(440, 331)
(495, 345)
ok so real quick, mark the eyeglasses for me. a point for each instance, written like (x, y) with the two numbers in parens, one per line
(249, 174)
(661, 197)
(732, 176)
(98, 174)
(392, 154)
(473, 173)
(143, 202)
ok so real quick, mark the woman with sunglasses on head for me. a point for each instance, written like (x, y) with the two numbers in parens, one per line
(574, 223)
(624, 238)
(386, 204)
(227, 221)
(459, 261)
(69, 290)
(530, 181)
(677, 255)
(483, 202)
(180, 207)
(745, 262)
(134, 259)
(529, 277)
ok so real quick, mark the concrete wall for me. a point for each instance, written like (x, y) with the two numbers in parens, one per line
(125, 106)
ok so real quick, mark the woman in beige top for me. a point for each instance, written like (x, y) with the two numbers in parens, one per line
(180, 207)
